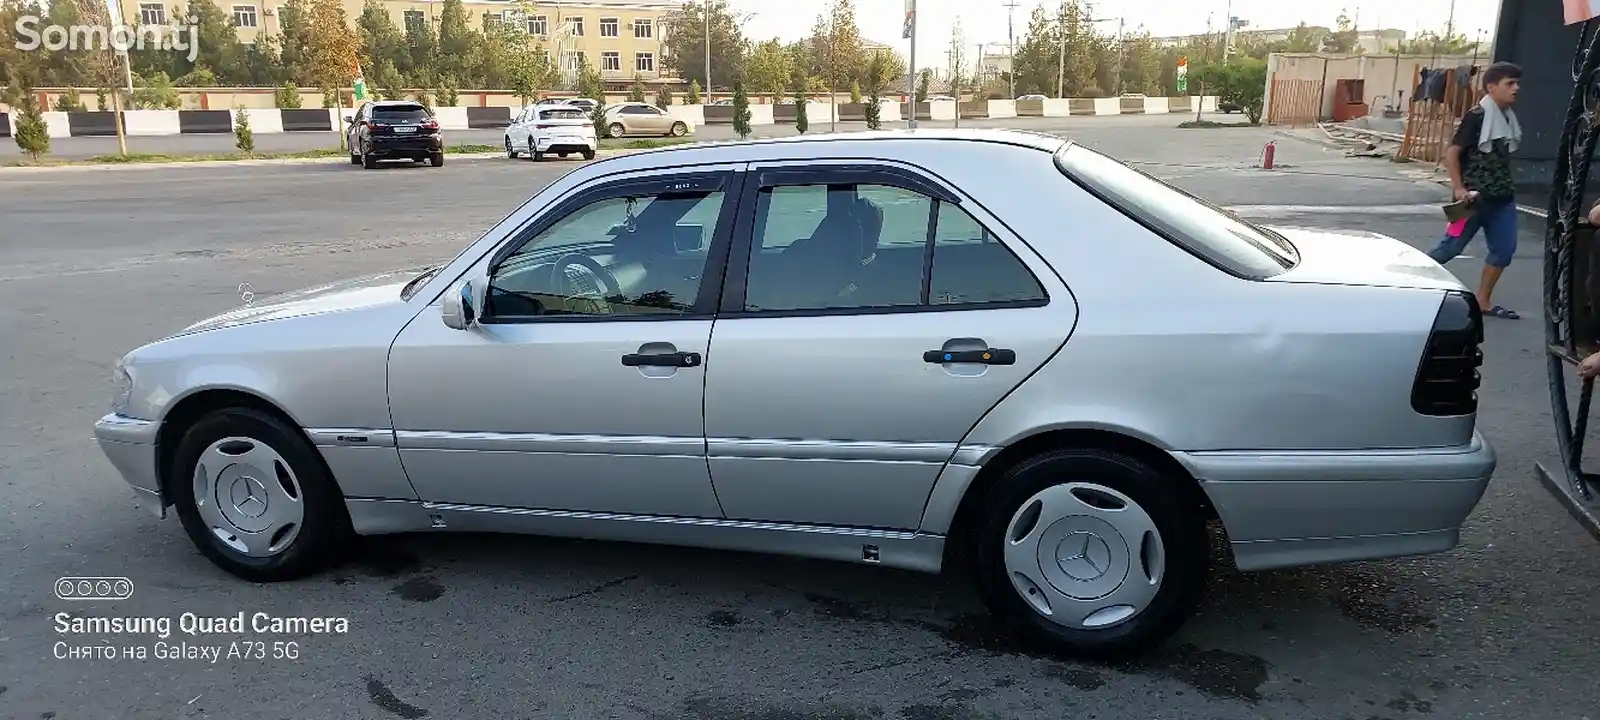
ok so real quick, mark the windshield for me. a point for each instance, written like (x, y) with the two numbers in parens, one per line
(1217, 235)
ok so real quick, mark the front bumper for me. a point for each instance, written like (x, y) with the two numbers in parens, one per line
(130, 445)
(404, 145)
(1296, 508)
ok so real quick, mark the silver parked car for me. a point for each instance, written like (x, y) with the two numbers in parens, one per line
(988, 351)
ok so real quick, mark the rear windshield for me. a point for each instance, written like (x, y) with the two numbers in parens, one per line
(563, 114)
(1219, 236)
(398, 113)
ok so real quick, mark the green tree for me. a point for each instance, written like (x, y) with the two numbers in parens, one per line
(421, 54)
(69, 101)
(1345, 39)
(769, 68)
(287, 96)
(381, 43)
(446, 93)
(693, 96)
(591, 85)
(64, 67)
(455, 41)
(876, 75)
(243, 138)
(294, 23)
(801, 121)
(637, 92)
(663, 96)
(855, 91)
(1429, 42)
(924, 80)
(155, 93)
(836, 50)
(741, 111)
(1241, 80)
(685, 43)
(28, 127)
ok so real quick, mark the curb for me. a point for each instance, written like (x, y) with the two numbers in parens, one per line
(248, 163)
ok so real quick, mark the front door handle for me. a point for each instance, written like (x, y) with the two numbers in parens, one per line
(989, 356)
(673, 360)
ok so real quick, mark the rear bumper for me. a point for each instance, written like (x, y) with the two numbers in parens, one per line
(564, 143)
(1291, 509)
(130, 445)
(404, 145)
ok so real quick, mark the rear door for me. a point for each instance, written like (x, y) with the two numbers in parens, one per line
(852, 352)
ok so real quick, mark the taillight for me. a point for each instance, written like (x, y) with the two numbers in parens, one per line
(430, 125)
(1448, 378)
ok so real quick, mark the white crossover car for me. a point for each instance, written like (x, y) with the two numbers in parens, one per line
(541, 130)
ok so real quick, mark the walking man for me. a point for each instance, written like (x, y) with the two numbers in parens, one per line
(1479, 161)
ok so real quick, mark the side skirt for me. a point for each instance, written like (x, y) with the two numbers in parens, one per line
(906, 550)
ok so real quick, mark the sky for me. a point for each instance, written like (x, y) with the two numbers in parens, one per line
(984, 21)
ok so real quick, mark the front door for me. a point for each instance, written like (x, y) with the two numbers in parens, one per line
(581, 387)
(871, 317)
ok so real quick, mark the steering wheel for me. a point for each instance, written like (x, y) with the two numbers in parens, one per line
(590, 286)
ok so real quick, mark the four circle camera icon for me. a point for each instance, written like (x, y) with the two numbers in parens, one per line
(94, 588)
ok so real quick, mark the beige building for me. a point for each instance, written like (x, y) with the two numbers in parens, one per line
(620, 37)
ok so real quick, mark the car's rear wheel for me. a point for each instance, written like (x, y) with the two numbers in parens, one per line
(1092, 553)
(588, 154)
(616, 130)
(368, 161)
(436, 159)
(355, 158)
(510, 153)
(679, 129)
(255, 498)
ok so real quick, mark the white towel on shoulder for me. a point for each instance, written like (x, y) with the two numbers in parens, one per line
(1498, 124)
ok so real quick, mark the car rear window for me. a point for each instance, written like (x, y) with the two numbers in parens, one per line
(563, 114)
(1220, 237)
(398, 113)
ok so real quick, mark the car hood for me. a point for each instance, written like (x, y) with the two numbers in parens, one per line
(352, 294)
(1356, 257)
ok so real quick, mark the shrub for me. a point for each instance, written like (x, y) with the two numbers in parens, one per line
(693, 98)
(741, 111)
(663, 97)
(801, 122)
(243, 138)
(287, 96)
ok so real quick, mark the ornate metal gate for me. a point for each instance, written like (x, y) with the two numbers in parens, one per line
(1572, 284)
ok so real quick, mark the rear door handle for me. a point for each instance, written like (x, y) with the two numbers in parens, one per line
(991, 356)
(675, 360)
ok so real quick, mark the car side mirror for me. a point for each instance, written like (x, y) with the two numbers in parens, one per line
(463, 306)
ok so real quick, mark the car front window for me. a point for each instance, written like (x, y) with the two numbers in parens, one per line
(1221, 237)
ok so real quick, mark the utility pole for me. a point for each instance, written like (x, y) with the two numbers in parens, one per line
(910, 33)
(1011, 44)
(1122, 54)
(707, 9)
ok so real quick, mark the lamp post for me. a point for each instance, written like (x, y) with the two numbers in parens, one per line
(706, 9)
(910, 33)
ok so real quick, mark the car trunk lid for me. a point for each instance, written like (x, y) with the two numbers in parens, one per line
(401, 121)
(1354, 257)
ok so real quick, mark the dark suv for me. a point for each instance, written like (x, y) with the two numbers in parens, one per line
(393, 130)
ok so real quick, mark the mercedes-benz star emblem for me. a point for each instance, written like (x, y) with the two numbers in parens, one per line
(249, 497)
(1084, 556)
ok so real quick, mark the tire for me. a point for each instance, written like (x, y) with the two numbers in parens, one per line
(588, 154)
(316, 539)
(510, 153)
(355, 159)
(616, 130)
(1055, 490)
(368, 161)
(538, 156)
(436, 159)
(679, 129)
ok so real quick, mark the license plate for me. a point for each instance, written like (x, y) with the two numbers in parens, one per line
(405, 129)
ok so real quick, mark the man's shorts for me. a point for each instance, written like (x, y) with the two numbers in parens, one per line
(1499, 223)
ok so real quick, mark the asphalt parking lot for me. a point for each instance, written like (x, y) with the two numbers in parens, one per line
(95, 262)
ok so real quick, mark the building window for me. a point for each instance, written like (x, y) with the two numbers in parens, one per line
(539, 25)
(611, 61)
(610, 27)
(644, 28)
(574, 61)
(416, 20)
(644, 62)
(244, 16)
(577, 26)
(152, 14)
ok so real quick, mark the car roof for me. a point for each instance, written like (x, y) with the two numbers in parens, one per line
(392, 103)
(797, 146)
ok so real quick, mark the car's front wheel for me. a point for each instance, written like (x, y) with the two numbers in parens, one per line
(255, 498)
(616, 130)
(1096, 554)
(511, 152)
(679, 129)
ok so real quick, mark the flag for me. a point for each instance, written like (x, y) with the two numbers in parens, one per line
(1577, 11)
(358, 90)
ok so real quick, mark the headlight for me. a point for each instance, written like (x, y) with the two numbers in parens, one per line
(121, 387)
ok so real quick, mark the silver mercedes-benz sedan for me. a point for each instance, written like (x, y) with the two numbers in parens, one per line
(992, 351)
